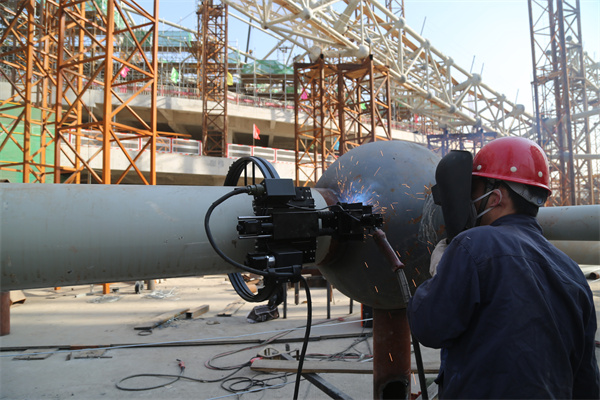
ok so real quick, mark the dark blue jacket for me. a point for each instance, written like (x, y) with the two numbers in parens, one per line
(514, 316)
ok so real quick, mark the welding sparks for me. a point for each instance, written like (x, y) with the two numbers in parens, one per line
(377, 171)
(391, 359)
(378, 290)
(413, 281)
(366, 265)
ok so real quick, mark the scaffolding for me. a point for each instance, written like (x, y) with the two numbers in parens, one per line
(212, 76)
(91, 64)
(337, 107)
(565, 90)
(27, 116)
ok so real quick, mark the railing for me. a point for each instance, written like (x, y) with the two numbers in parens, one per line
(136, 143)
(236, 151)
(183, 146)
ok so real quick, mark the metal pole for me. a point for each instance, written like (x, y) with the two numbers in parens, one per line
(4, 313)
(391, 354)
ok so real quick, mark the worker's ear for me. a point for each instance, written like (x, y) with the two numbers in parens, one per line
(496, 197)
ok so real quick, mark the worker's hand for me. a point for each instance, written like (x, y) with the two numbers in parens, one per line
(436, 256)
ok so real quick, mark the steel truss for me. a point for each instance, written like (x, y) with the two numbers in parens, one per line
(337, 107)
(445, 142)
(212, 75)
(566, 92)
(423, 80)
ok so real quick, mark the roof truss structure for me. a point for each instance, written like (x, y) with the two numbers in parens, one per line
(423, 79)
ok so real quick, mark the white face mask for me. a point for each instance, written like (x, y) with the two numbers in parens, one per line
(474, 209)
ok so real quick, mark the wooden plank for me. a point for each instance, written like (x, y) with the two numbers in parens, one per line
(196, 312)
(160, 319)
(36, 354)
(91, 354)
(231, 309)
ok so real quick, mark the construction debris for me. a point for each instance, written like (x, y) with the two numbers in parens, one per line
(36, 354)
(160, 319)
(196, 312)
(231, 309)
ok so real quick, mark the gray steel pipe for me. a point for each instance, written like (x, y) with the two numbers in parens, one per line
(582, 252)
(580, 223)
(61, 235)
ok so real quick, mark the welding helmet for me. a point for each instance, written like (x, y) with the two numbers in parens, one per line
(452, 191)
(517, 161)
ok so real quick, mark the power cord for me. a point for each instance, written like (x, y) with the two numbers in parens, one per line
(306, 337)
(175, 378)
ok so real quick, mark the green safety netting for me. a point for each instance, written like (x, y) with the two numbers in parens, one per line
(12, 119)
(102, 5)
(235, 58)
(172, 39)
(271, 67)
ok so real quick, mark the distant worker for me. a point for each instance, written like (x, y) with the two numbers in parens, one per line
(513, 315)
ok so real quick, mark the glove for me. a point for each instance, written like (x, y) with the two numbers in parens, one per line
(436, 256)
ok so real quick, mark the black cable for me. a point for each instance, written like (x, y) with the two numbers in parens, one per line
(175, 378)
(306, 337)
(232, 384)
(240, 287)
(421, 372)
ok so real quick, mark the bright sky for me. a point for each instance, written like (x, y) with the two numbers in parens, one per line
(496, 33)
(490, 35)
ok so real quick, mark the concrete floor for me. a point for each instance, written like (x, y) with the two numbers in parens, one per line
(73, 318)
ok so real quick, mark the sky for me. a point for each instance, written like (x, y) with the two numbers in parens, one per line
(489, 37)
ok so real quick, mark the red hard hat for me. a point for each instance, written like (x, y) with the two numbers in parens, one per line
(513, 159)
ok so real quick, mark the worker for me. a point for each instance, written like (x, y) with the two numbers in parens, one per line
(513, 315)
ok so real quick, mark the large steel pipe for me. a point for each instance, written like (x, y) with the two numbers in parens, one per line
(580, 223)
(59, 235)
(582, 252)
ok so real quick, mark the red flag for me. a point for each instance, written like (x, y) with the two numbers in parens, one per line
(255, 132)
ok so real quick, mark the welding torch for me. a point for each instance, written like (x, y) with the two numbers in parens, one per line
(392, 258)
(398, 268)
